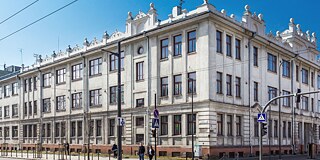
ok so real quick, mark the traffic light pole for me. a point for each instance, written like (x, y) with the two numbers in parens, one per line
(298, 95)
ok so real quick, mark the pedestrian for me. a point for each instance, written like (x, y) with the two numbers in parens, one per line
(67, 148)
(114, 149)
(141, 151)
(150, 152)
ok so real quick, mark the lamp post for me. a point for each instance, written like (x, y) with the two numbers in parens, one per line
(192, 115)
(119, 130)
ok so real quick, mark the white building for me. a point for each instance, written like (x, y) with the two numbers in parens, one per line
(66, 96)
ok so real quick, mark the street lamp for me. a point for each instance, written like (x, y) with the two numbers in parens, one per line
(118, 99)
(192, 115)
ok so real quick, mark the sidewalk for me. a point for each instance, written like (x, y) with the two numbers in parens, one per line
(52, 156)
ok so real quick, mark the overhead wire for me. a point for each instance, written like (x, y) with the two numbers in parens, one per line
(30, 24)
(19, 11)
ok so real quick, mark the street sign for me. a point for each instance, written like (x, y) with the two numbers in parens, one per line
(155, 123)
(262, 117)
(155, 113)
(121, 121)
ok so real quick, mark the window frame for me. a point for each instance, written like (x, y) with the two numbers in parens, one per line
(192, 41)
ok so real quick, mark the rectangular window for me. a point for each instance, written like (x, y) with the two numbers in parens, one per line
(305, 74)
(238, 87)
(256, 127)
(1, 111)
(6, 111)
(255, 56)
(35, 80)
(77, 100)
(139, 71)
(238, 49)
(177, 82)
(61, 76)
(228, 45)
(312, 79)
(7, 91)
(177, 125)
(177, 40)
(219, 82)
(1, 91)
(312, 106)
(91, 127)
(318, 79)
(192, 41)
(25, 85)
(14, 131)
(305, 103)
(192, 82)
(139, 121)
(289, 130)
(285, 68)
(47, 80)
(238, 125)
(48, 130)
(220, 124)
(95, 66)
(140, 102)
(111, 127)
(43, 133)
(272, 92)
(286, 100)
(95, 97)
(275, 128)
(191, 124)
(164, 48)
(77, 71)
(63, 129)
(79, 129)
(73, 129)
(114, 61)
(6, 132)
(30, 108)
(114, 95)
(61, 103)
(14, 88)
(219, 41)
(297, 73)
(46, 105)
(272, 63)
(30, 84)
(1, 132)
(229, 85)
(57, 129)
(229, 125)
(25, 108)
(256, 91)
(164, 86)
(164, 125)
(139, 138)
(14, 110)
(284, 129)
(98, 128)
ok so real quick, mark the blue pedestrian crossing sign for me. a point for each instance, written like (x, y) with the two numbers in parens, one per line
(155, 123)
(262, 117)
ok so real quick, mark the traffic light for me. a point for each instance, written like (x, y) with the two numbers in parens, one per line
(298, 96)
(153, 133)
(264, 128)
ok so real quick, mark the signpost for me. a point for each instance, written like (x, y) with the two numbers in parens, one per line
(155, 123)
(121, 121)
(262, 117)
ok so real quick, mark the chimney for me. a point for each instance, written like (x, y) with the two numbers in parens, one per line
(176, 11)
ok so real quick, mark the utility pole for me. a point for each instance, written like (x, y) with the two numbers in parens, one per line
(119, 127)
(119, 103)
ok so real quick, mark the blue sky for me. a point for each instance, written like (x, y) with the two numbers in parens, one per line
(90, 18)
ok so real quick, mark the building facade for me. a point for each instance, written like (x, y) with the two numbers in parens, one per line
(72, 96)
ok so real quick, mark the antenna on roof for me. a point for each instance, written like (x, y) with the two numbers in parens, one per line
(21, 55)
